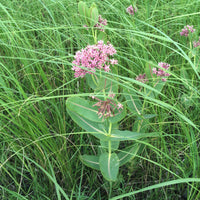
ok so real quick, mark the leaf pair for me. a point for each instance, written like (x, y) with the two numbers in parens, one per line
(109, 164)
(90, 15)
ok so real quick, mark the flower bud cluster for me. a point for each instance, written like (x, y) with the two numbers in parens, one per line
(196, 43)
(160, 72)
(142, 78)
(131, 10)
(185, 31)
(101, 23)
(107, 107)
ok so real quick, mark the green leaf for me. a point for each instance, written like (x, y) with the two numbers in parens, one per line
(141, 125)
(118, 135)
(92, 80)
(146, 116)
(127, 154)
(148, 70)
(114, 144)
(102, 36)
(90, 161)
(93, 128)
(118, 115)
(93, 15)
(109, 166)
(82, 8)
(159, 86)
(133, 102)
(187, 100)
(83, 108)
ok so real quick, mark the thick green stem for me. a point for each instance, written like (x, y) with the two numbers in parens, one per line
(94, 34)
(110, 151)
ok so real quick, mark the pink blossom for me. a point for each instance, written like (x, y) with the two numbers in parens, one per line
(154, 70)
(185, 31)
(101, 23)
(119, 106)
(161, 73)
(93, 57)
(142, 78)
(113, 62)
(196, 43)
(131, 10)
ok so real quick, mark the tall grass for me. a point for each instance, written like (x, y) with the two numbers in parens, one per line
(40, 144)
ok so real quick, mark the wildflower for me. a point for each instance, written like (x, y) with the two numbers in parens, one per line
(142, 78)
(185, 31)
(160, 72)
(119, 106)
(196, 43)
(101, 23)
(131, 10)
(107, 107)
(93, 57)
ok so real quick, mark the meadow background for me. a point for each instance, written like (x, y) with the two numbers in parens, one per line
(40, 145)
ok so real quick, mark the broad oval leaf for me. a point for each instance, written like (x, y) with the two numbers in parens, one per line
(90, 161)
(127, 154)
(158, 87)
(92, 80)
(133, 102)
(118, 115)
(102, 36)
(94, 14)
(93, 128)
(114, 144)
(109, 166)
(82, 8)
(83, 108)
(118, 135)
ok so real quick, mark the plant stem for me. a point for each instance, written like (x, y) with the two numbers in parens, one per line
(110, 190)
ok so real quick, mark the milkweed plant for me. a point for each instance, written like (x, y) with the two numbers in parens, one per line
(100, 113)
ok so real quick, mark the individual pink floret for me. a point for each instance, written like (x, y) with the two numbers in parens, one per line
(93, 57)
(119, 106)
(131, 10)
(185, 31)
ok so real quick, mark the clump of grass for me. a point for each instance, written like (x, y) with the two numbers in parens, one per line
(40, 144)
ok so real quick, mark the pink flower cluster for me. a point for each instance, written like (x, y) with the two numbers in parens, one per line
(142, 78)
(185, 31)
(196, 43)
(131, 10)
(92, 57)
(161, 72)
(100, 25)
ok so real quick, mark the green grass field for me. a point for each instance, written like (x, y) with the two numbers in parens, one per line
(40, 144)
